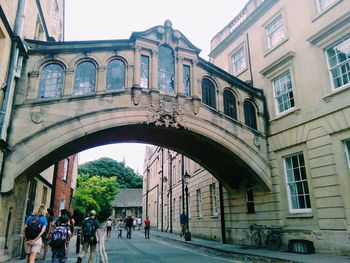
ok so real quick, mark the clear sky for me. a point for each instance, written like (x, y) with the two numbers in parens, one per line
(198, 20)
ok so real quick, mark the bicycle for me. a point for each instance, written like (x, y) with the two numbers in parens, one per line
(271, 239)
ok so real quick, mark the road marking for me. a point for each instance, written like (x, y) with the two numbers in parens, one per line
(103, 249)
(229, 260)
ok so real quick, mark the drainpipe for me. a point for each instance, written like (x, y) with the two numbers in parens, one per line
(249, 60)
(171, 190)
(14, 71)
(222, 215)
(183, 183)
(161, 190)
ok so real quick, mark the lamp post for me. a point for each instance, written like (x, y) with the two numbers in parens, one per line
(186, 178)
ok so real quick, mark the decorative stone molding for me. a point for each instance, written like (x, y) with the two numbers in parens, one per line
(37, 117)
(166, 111)
(136, 94)
(196, 104)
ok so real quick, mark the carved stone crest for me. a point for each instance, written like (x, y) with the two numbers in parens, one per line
(37, 117)
(136, 95)
(166, 112)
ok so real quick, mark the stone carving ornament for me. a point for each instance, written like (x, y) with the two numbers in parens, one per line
(166, 111)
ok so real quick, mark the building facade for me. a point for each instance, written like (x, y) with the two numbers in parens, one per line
(21, 19)
(127, 202)
(302, 65)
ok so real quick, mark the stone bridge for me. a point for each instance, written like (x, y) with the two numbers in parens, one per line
(151, 88)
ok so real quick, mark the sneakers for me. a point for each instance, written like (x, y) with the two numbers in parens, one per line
(79, 260)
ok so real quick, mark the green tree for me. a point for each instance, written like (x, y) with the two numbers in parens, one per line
(94, 192)
(108, 167)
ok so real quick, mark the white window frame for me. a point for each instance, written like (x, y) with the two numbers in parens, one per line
(199, 203)
(282, 94)
(240, 54)
(214, 207)
(324, 4)
(288, 183)
(347, 151)
(269, 35)
(338, 65)
(65, 169)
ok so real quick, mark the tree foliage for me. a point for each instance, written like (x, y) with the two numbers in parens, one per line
(94, 192)
(107, 167)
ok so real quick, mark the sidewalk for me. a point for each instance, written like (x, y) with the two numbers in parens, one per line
(295, 257)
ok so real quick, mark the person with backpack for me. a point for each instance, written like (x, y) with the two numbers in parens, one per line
(59, 237)
(45, 237)
(34, 227)
(89, 230)
(120, 227)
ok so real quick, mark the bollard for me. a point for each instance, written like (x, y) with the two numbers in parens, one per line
(77, 250)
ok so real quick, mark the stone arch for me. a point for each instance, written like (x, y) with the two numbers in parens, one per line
(47, 60)
(234, 157)
(80, 58)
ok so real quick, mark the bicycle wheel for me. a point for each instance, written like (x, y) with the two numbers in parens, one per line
(255, 240)
(273, 241)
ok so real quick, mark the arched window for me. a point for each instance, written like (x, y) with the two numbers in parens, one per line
(115, 75)
(208, 93)
(249, 114)
(166, 69)
(85, 78)
(230, 108)
(51, 81)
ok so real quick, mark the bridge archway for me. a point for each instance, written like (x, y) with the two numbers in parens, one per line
(228, 157)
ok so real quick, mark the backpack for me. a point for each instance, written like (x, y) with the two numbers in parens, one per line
(89, 227)
(33, 227)
(59, 236)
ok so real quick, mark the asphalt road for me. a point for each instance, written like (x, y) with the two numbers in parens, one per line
(153, 250)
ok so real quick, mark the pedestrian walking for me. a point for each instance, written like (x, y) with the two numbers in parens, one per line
(109, 228)
(114, 224)
(129, 224)
(139, 223)
(59, 238)
(134, 223)
(120, 226)
(147, 224)
(34, 227)
(183, 222)
(45, 237)
(89, 230)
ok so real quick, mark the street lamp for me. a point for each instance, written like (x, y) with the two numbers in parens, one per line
(186, 178)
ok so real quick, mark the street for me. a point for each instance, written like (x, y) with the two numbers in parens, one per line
(141, 250)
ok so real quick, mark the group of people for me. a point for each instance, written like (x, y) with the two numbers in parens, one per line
(42, 229)
(129, 223)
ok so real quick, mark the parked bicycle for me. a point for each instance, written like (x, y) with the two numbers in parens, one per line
(271, 239)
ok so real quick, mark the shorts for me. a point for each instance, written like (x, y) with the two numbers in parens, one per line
(36, 247)
(109, 228)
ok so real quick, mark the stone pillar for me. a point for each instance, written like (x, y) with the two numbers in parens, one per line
(101, 80)
(68, 88)
(154, 70)
(180, 89)
(137, 67)
(195, 87)
(33, 85)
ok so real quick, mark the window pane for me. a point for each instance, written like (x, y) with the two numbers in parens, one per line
(339, 63)
(166, 71)
(239, 61)
(187, 80)
(144, 81)
(115, 75)
(249, 114)
(85, 77)
(275, 32)
(230, 104)
(297, 182)
(51, 81)
(208, 93)
(283, 92)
